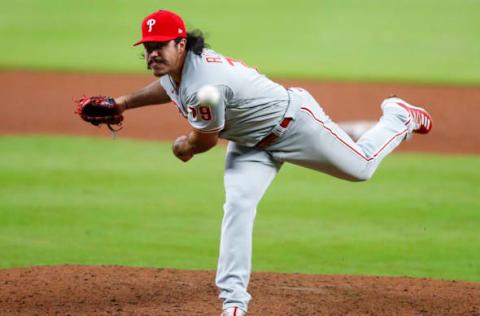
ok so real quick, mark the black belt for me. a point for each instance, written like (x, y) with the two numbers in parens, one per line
(272, 137)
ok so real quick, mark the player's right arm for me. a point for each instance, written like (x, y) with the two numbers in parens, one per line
(153, 93)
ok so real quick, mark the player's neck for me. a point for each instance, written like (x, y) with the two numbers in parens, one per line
(177, 72)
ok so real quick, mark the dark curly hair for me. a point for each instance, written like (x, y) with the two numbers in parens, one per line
(195, 42)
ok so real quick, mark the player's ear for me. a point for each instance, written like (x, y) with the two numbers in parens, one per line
(182, 44)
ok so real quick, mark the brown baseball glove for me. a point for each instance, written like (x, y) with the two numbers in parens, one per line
(100, 110)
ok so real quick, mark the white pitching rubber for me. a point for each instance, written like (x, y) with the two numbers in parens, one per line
(208, 95)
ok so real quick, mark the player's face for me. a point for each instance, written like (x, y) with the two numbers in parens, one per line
(164, 57)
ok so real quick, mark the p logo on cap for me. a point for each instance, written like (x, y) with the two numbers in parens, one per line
(151, 23)
(168, 26)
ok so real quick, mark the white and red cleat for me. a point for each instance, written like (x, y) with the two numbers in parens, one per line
(420, 120)
(234, 311)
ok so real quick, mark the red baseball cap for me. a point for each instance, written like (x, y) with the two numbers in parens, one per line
(162, 26)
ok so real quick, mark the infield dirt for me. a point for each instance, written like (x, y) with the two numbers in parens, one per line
(82, 290)
(35, 102)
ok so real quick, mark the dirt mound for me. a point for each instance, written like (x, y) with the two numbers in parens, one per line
(38, 102)
(107, 290)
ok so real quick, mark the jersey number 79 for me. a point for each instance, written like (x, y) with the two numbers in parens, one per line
(204, 111)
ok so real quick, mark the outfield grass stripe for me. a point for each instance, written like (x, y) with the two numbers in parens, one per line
(411, 40)
(96, 201)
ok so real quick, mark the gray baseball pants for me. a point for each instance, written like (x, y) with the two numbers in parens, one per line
(312, 140)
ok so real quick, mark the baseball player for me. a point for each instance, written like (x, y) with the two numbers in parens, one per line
(266, 125)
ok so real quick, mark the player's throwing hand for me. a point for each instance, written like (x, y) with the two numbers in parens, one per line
(181, 150)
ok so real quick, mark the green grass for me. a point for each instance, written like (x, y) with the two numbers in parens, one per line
(93, 201)
(431, 41)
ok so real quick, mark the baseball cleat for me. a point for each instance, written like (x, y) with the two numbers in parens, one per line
(420, 120)
(234, 311)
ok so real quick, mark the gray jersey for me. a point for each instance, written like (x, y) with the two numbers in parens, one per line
(250, 105)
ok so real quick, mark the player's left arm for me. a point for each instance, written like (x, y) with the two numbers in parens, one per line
(186, 146)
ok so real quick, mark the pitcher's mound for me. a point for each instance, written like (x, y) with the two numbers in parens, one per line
(107, 290)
